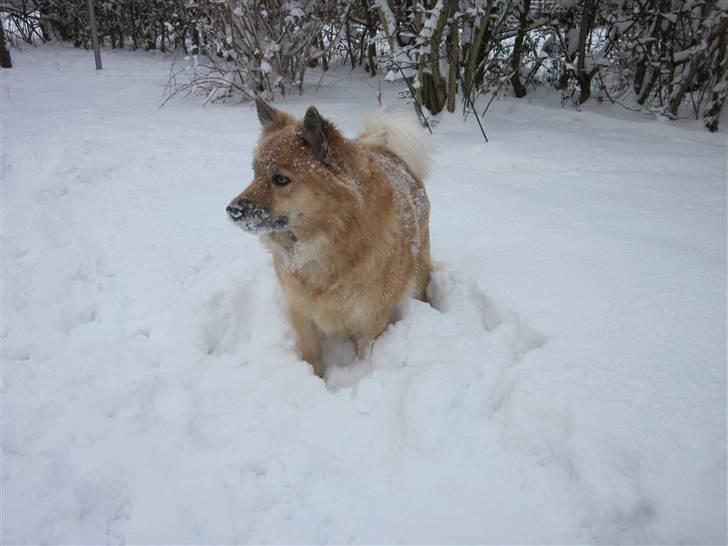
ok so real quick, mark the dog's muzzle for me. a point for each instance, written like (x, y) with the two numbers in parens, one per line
(245, 214)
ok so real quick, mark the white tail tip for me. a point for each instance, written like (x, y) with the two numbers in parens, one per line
(401, 134)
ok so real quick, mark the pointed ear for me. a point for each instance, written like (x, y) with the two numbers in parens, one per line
(266, 113)
(314, 133)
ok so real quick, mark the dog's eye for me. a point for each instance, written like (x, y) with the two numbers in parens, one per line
(280, 180)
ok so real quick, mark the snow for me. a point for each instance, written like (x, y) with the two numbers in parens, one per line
(568, 384)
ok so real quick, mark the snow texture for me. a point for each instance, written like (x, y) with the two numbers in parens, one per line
(567, 384)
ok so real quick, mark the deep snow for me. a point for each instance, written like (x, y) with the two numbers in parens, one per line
(567, 385)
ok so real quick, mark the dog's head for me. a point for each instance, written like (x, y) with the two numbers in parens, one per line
(297, 175)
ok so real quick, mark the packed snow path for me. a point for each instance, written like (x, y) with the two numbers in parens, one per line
(566, 385)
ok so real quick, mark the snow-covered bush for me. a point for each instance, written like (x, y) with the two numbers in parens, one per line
(259, 47)
(151, 24)
(663, 56)
(669, 55)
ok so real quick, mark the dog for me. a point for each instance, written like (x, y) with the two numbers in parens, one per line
(346, 221)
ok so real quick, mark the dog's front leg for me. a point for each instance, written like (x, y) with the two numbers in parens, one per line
(362, 344)
(308, 339)
(366, 335)
(366, 332)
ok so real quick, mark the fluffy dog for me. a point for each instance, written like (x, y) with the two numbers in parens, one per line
(347, 221)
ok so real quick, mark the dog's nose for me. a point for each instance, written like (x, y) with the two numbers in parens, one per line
(235, 212)
(238, 209)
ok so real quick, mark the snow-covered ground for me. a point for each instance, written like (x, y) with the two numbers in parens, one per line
(568, 384)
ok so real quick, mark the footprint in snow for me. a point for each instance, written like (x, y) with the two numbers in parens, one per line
(426, 407)
(462, 298)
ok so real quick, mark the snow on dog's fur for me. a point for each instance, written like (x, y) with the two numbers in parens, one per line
(346, 221)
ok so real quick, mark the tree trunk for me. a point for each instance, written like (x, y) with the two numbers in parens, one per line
(438, 88)
(45, 26)
(94, 34)
(324, 56)
(371, 46)
(454, 72)
(5, 60)
(679, 95)
(474, 52)
(720, 68)
(649, 86)
(639, 75)
(348, 40)
(518, 87)
(583, 77)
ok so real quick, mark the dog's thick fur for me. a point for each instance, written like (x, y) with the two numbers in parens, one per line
(346, 221)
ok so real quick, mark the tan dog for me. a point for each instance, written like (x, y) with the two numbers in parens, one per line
(346, 222)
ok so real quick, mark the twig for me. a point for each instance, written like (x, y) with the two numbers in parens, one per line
(414, 97)
(379, 88)
(609, 96)
(472, 107)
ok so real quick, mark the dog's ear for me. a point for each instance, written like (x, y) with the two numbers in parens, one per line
(315, 130)
(267, 114)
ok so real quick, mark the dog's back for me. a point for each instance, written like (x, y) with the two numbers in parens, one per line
(403, 151)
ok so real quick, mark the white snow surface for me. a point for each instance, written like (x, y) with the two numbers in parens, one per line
(567, 384)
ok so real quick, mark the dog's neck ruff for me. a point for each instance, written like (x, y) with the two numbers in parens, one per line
(286, 239)
(304, 257)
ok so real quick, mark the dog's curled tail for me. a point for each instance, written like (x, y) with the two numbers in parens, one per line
(402, 135)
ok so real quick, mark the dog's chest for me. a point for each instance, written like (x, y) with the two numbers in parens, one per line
(332, 298)
(300, 258)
